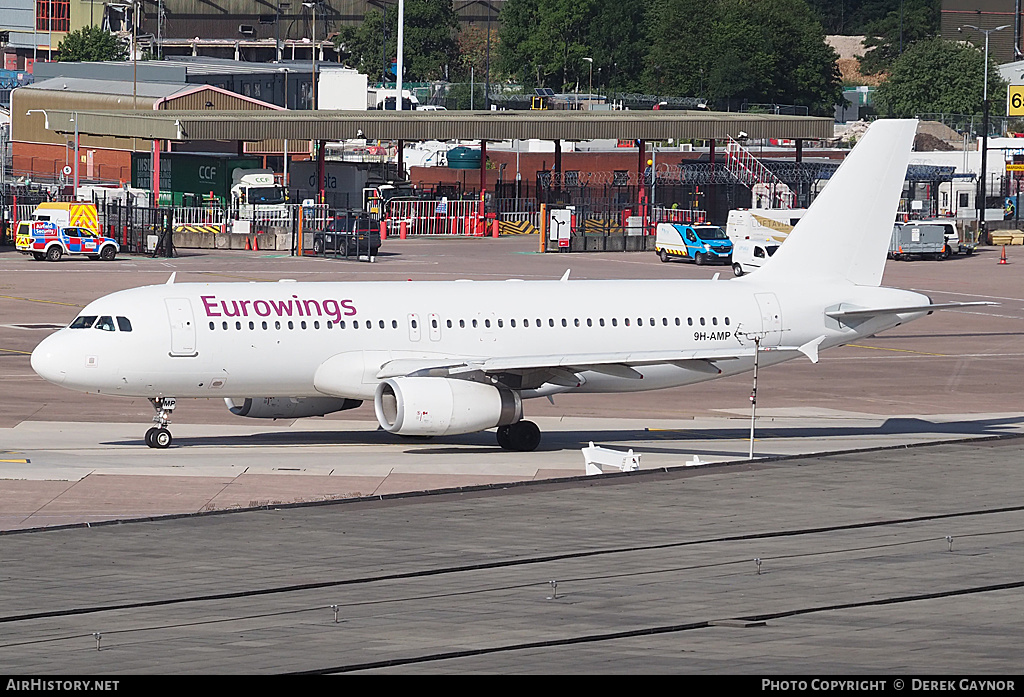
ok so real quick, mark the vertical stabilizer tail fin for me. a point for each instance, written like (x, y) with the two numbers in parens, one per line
(846, 231)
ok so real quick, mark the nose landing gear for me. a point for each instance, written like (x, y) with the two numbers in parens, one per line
(158, 436)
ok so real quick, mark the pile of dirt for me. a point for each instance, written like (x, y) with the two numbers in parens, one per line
(926, 142)
(941, 131)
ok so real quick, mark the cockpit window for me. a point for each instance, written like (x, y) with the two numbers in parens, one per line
(83, 322)
(106, 323)
(124, 324)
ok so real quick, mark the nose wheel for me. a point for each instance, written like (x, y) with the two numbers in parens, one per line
(159, 436)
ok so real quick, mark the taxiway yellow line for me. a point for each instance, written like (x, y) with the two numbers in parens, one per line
(882, 348)
(24, 353)
(34, 300)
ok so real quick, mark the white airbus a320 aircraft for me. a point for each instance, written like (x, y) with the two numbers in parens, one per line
(450, 357)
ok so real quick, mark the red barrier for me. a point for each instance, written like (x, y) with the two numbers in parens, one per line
(403, 229)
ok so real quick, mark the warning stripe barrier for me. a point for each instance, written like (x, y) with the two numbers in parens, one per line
(516, 227)
(198, 228)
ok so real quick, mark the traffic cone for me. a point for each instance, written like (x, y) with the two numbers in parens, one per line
(1002, 258)
(255, 243)
(248, 247)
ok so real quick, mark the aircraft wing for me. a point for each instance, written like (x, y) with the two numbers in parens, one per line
(865, 313)
(620, 364)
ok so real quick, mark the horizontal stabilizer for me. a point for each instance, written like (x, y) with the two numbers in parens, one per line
(864, 313)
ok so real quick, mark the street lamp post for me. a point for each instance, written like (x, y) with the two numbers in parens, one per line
(312, 6)
(590, 90)
(984, 129)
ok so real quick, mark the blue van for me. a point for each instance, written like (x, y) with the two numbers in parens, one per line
(704, 244)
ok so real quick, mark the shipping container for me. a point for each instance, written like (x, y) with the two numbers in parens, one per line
(191, 179)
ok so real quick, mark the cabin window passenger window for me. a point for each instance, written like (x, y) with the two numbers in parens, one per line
(512, 323)
(329, 324)
(316, 325)
(124, 325)
(726, 321)
(677, 321)
(601, 321)
(462, 324)
(225, 325)
(714, 321)
(689, 320)
(639, 321)
(251, 325)
(277, 325)
(414, 324)
(652, 321)
(381, 324)
(449, 323)
(212, 326)
(702, 321)
(106, 323)
(615, 322)
(564, 323)
(487, 323)
(238, 325)
(369, 325)
(590, 322)
(664, 321)
(576, 321)
(264, 325)
(474, 324)
(551, 322)
(394, 324)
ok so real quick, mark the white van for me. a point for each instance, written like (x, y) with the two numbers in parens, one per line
(763, 224)
(750, 254)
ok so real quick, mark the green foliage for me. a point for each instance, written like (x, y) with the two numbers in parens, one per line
(544, 41)
(731, 51)
(894, 33)
(91, 44)
(431, 45)
(938, 76)
(851, 17)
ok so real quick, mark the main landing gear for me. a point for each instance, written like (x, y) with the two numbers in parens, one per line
(158, 436)
(522, 436)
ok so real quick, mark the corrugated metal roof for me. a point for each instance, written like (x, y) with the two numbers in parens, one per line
(144, 90)
(449, 125)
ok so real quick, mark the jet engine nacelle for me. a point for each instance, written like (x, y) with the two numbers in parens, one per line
(425, 406)
(288, 407)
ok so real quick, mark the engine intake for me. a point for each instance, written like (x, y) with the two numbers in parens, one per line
(433, 406)
(288, 407)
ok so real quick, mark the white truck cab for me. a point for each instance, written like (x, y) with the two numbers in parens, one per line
(255, 190)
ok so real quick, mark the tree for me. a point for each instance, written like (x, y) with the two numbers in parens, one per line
(431, 49)
(91, 44)
(939, 76)
(889, 36)
(681, 56)
(544, 41)
(731, 51)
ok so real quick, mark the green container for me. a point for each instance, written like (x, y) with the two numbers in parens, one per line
(189, 179)
(464, 158)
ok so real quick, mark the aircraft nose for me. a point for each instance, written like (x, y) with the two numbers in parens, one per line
(46, 361)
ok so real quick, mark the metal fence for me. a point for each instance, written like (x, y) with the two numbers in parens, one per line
(433, 217)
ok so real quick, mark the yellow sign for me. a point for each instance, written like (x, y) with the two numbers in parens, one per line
(1014, 168)
(1015, 100)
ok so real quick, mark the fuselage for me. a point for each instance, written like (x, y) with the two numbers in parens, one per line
(269, 339)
